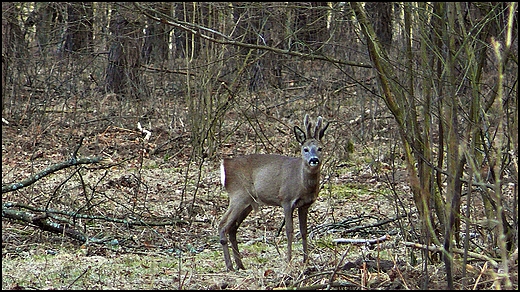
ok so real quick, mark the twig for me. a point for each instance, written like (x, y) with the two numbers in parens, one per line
(333, 274)
(324, 273)
(482, 271)
(75, 153)
(400, 275)
(82, 274)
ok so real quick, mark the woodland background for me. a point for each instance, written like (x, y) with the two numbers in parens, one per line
(115, 116)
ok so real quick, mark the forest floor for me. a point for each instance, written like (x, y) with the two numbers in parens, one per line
(183, 199)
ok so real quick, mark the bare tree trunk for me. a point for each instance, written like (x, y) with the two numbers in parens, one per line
(155, 48)
(380, 14)
(48, 17)
(311, 26)
(124, 60)
(14, 55)
(79, 27)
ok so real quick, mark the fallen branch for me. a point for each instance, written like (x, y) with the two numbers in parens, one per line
(457, 250)
(344, 225)
(46, 219)
(360, 241)
(53, 168)
(43, 223)
(337, 284)
(75, 215)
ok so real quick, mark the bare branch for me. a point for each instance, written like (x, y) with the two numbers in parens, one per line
(221, 38)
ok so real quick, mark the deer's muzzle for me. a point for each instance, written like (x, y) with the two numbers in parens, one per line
(314, 161)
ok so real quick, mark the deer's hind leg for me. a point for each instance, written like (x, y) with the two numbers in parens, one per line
(229, 225)
(223, 231)
(233, 236)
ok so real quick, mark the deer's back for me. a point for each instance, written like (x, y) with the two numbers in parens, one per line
(266, 177)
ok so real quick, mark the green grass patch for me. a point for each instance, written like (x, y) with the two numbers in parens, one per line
(69, 269)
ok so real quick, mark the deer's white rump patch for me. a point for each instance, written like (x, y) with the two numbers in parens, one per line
(222, 173)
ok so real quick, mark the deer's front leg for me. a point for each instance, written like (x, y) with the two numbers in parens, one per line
(287, 210)
(302, 218)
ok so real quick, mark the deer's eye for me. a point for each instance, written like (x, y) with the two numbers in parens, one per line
(305, 149)
(319, 149)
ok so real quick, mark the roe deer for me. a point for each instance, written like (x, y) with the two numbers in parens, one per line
(275, 180)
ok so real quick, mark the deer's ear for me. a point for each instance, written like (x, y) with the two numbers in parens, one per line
(300, 135)
(307, 125)
(322, 131)
(317, 128)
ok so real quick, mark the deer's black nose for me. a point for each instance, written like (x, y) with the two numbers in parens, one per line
(314, 161)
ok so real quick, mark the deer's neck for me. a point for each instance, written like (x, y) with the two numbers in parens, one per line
(310, 178)
(310, 184)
